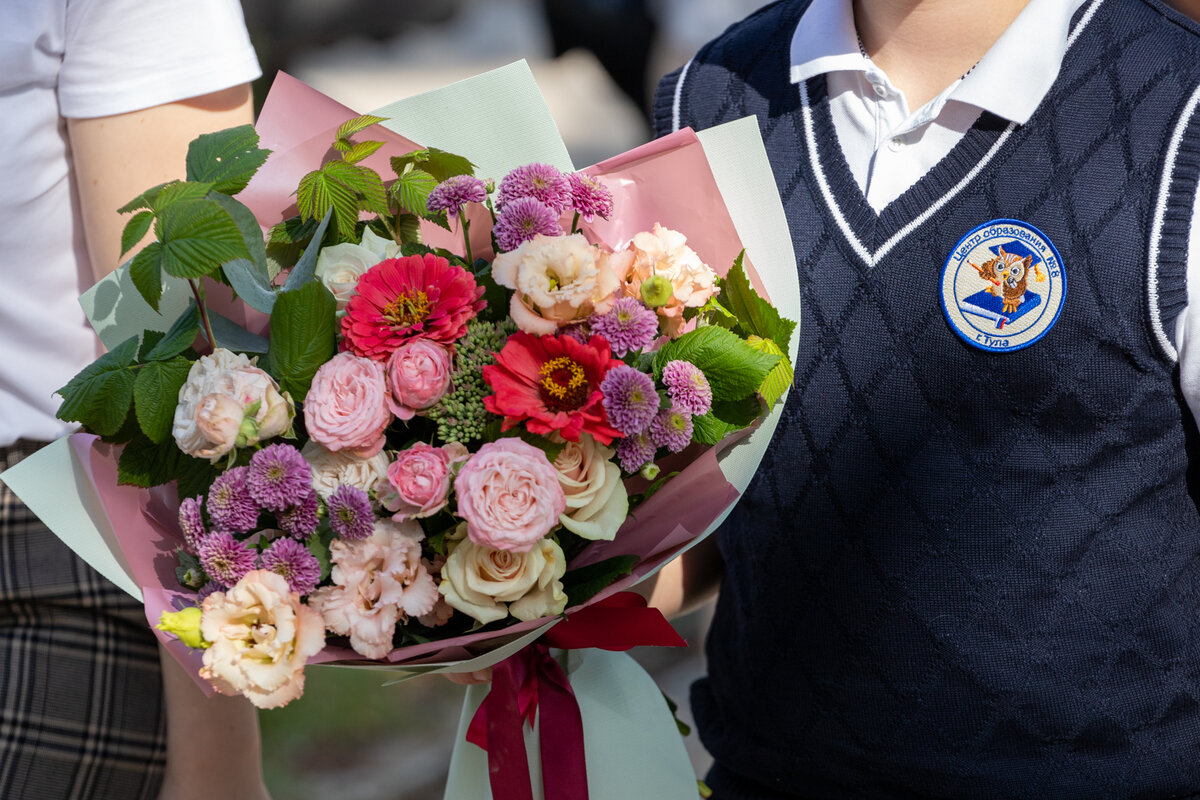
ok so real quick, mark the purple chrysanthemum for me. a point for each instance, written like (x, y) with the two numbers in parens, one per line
(191, 522)
(455, 192)
(540, 181)
(589, 197)
(224, 558)
(279, 477)
(634, 452)
(579, 331)
(629, 326)
(230, 506)
(300, 520)
(521, 220)
(672, 429)
(630, 399)
(350, 513)
(292, 561)
(687, 387)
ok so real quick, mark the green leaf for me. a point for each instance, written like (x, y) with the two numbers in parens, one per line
(193, 475)
(551, 449)
(360, 151)
(355, 125)
(306, 266)
(247, 226)
(318, 545)
(197, 237)
(149, 341)
(156, 393)
(318, 193)
(738, 413)
(409, 228)
(146, 273)
(442, 165)
(294, 230)
(710, 430)
(179, 192)
(189, 572)
(178, 338)
(779, 379)
(234, 337)
(227, 159)
(734, 369)
(100, 395)
(302, 336)
(756, 315)
(144, 200)
(584, 583)
(144, 463)
(412, 189)
(135, 230)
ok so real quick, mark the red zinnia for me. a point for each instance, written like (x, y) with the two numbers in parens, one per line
(552, 383)
(409, 297)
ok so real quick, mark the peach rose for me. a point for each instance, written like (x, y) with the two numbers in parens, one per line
(418, 373)
(509, 493)
(558, 280)
(346, 406)
(597, 502)
(262, 636)
(488, 584)
(664, 252)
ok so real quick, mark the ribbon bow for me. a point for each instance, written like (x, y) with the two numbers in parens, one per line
(532, 679)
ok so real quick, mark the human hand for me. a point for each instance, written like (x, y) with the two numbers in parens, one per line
(469, 678)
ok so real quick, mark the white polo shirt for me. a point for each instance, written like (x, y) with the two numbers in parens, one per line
(889, 148)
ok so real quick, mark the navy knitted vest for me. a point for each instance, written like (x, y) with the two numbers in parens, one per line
(959, 573)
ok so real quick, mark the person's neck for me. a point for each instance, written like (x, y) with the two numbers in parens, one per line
(925, 45)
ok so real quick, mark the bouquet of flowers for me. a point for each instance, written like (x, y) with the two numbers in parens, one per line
(409, 414)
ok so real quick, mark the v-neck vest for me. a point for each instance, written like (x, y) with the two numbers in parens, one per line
(962, 573)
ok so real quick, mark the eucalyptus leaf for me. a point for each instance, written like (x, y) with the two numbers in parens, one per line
(251, 283)
(234, 337)
(302, 273)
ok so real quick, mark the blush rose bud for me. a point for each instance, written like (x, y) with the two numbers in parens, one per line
(186, 625)
(656, 291)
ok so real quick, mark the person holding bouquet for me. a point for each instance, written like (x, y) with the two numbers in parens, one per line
(100, 99)
(969, 565)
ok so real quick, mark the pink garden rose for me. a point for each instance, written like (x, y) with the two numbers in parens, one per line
(346, 406)
(510, 495)
(418, 481)
(262, 636)
(418, 374)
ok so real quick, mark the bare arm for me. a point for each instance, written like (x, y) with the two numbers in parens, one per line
(115, 158)
(687, 582)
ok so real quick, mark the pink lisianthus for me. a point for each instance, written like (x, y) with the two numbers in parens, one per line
(410, 297)
(418, 481)
(377, 582)
(262, 636)
(664, 252)
(418, 373)
(346, 407)
(509, 494)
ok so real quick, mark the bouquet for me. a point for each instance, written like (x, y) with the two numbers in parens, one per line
(400, 411)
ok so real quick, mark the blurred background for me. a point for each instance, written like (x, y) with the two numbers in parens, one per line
(597, 62)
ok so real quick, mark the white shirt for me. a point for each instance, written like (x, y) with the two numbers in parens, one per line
(889, 148)
(80, 58)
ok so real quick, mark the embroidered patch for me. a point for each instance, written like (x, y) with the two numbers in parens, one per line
(1003, 286)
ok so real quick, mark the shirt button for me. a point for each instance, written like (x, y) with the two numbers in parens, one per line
(895, 144)
(880, 89)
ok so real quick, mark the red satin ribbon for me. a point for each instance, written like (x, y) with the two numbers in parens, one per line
(532, 678)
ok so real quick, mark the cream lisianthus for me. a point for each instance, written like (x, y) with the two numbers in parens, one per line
(663, 252)
(488, 584)
(558, 280)
(262, 636)
(597, 502)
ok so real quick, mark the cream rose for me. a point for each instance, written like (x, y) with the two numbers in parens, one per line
(227, 401)
(558, 280)
(664, 252)
(330, 469)
(597, 502)
(488, 584)
(262, 636)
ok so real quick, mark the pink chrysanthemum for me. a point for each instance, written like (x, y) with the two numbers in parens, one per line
(224, 558)
(540, 181)
(521, 220)
(191, 522)
(278, 477)
(672, 429)
(350, 513)
(629, 326)
(300, 520)
(630, 399)
(294, 563)
(230, 506)
(687, 387)
(455, 192)
(403, 298)
(589, 197)
(634, 452)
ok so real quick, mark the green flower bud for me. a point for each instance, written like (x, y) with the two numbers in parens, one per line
(656, 291)
(650, 471)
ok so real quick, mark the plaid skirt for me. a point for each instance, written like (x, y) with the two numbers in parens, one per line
(81, 711)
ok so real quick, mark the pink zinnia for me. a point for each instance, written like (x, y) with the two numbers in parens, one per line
(403, 298)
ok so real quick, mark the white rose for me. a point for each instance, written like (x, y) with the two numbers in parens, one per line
(558, 280)
(597, 502)
(340, 266)
(479, 581)
(381, 247)
(330, 469)
(222, 389)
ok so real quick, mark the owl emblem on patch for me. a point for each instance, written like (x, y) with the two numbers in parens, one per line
(1003, 286)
